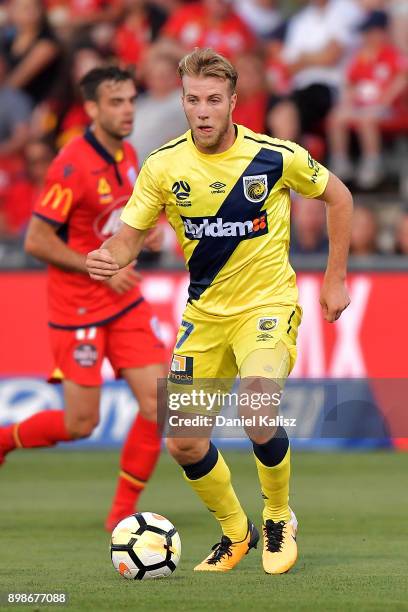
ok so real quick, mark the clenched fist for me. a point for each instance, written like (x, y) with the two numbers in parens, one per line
(100, 265)
(334, 298)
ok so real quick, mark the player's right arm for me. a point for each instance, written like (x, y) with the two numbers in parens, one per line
(140, 214)
(43, 243)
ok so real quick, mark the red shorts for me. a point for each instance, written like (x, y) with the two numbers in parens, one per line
(130, 341)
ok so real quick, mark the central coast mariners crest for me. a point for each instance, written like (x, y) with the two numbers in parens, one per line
(267, 323)
(255, 187)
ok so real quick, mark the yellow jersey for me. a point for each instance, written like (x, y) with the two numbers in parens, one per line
(231, 215)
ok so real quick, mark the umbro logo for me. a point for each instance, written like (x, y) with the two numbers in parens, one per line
(218, 187)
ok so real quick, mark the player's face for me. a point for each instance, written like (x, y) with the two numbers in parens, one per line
(208, 104)
(115, 108)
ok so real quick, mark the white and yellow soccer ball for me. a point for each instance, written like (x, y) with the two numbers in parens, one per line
(145, 545)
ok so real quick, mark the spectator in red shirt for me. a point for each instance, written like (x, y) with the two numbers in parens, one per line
(212, 23)
(376, 78)
(252, 95)
(139, 28)
(17, 202)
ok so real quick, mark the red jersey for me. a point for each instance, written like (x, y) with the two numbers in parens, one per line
(191, 27)
(372, 76)
(130, 44)
(84, 194)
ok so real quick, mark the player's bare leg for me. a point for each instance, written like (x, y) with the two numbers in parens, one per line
(207, 473)
(81, 408)
(142, 446)
(370, 171)
(48, 427)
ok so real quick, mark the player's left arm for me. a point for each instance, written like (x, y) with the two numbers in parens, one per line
(334, 297)
(312, 180)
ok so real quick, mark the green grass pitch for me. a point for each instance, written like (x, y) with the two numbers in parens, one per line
(352, 512)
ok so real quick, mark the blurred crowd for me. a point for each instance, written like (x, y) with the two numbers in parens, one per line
(329, 74)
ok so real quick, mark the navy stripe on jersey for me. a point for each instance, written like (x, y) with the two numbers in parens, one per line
(212, 253)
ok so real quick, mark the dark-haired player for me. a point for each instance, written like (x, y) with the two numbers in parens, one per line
(87, 186)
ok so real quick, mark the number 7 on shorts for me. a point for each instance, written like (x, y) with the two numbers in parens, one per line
(188, 329)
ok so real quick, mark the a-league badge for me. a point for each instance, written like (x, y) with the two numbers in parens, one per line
(255, 187)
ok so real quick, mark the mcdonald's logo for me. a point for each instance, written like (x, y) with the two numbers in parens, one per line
(57, 197)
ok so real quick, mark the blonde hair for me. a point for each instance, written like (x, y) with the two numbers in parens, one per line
(208, 63)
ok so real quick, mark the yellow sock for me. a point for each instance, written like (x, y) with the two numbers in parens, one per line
(275, 488)
(216, 492)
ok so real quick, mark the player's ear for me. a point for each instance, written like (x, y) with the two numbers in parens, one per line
(233, 101)
(91, 109)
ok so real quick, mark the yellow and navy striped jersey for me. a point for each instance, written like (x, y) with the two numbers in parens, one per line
(231, 214)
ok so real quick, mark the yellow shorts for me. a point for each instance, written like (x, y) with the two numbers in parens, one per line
(212, 347)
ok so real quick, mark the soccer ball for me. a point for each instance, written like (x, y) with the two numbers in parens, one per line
(145, 545)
